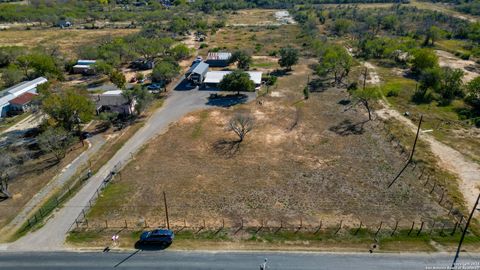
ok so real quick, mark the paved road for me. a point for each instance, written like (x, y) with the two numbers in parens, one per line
(228, 260)
(52, 235)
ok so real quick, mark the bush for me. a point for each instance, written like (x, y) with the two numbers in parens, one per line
(476, 121)
(203, 45)
(392, 93)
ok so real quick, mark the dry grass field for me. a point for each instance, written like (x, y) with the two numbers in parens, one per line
(69, 40)
(311, 160)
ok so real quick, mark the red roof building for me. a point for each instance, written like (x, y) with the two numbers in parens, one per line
(23, 99)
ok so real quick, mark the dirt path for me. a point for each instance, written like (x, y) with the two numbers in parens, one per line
(447, 59)
(468, 171)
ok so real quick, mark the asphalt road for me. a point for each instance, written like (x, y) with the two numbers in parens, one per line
(51, 236)
(229, 260)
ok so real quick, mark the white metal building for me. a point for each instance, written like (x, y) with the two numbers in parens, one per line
(17, 90)
(215, 77)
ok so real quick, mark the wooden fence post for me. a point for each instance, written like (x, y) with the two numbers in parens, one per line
(126, 224)
(106, 224)
(420, 230)
(319, 227)
(359, 228)
(454, 228)
(411, 229)
(340, 227)
(441, 197)
(379, 228)
(86, 222)
(433, 227)
(395, 229)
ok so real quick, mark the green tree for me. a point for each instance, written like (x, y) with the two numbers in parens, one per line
(423, 59)
(242, 58)
(141, 97)
(451, 85)
(342, 26)
(56, 141)
(432, 34)
(11, 75)
(117, 78)
(238, 81)
(68, 108)
(335, 61)
(180, 52)
(366, 96)
(473, 93)
(165, 71)
(288, 57)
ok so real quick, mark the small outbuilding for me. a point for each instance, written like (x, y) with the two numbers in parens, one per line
(218, 59)
(197, 72)
(84, 67)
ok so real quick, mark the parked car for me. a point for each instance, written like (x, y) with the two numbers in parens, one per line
(154, 86)
(157, 236)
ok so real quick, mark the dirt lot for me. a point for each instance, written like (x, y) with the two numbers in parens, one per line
(69, 40)
(308, 160)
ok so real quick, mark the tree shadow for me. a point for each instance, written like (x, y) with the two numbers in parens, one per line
(319, 85)
(280, 72)
(346, 128)
(226, 148)
(344, 102)
(227, 100)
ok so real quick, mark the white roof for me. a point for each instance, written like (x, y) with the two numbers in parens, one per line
(6, 99)
(24, 87)
(86, 62)
(112, 93)
(217, 76)
(82, 66)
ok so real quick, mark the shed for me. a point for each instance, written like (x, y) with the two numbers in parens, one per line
(15, 91)
(219, 59)
(84, 67)
(197, 72)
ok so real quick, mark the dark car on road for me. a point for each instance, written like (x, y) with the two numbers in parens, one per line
(157, 236)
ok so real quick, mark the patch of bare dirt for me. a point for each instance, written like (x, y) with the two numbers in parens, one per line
(469, 67)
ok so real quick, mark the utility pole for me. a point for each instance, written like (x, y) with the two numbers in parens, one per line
(166, 209)
(411, 154)
(465, 232)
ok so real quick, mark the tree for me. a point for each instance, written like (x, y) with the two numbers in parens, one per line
(180, 52)
(165, 71)
(365, 96)
(68, 108)
(473, 93)
(423, 59)
(335, 61)
(150, 49)
(117, 78)
(241, 124)
(342, 26)
(102, 67)
(432, 34)
(6, 167)
(238, 81)
(242, 58)
(141, 96)
(55, 141)
(288, 57)
(450, 85)
(11, 75)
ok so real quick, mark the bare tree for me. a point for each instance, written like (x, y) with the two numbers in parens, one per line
(241, 124)
(55, 141)
(6, 164)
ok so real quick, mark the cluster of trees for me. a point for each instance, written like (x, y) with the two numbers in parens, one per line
(19, 63)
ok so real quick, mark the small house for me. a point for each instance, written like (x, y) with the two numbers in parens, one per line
(84, 67)
(113, 101)
(197, 72)
(218, 59)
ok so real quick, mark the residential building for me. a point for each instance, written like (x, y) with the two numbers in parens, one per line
(22, 103)
(113, 101)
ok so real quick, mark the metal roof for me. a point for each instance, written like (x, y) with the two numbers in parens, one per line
(217, 76)
(199, 68)
(23, 99)
(219, 56)
(23, 87)
(86, 62)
